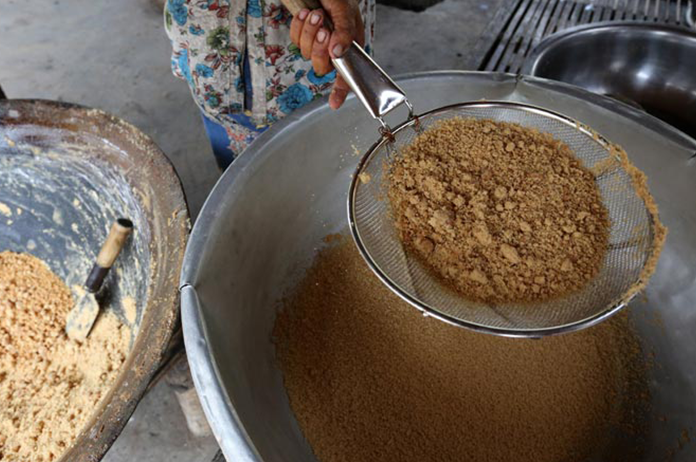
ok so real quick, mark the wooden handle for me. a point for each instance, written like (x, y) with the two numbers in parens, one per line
(295, 6)
(114, 243)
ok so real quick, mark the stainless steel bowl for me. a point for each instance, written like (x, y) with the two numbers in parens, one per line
(268, 214)
(650, 66)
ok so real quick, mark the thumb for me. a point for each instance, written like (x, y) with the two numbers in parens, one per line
(339, 93)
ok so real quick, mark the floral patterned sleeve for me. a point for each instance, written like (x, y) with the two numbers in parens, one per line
(212, 39)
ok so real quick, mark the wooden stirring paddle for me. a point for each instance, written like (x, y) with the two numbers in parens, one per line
(81, 318)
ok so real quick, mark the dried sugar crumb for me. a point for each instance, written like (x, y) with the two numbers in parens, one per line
(5, 210)
(129, 310)
(504, 207)
(58, 216)
(49, 385)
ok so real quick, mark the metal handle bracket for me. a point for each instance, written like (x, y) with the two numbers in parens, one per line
(373, 87)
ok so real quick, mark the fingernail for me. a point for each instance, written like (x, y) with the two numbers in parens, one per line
(314, 20)
(321, 36)
(338, 51)
(303, 14)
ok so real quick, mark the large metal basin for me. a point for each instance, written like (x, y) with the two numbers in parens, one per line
(649, 65)
(267, 215)
(71, 171)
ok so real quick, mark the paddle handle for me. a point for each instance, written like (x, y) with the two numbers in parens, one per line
(295, 6)
(109, 252)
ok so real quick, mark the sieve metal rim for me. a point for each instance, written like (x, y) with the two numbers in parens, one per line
(428, 310)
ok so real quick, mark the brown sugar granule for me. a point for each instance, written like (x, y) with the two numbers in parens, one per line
(49, 385)
(503, 213)
(370, 379)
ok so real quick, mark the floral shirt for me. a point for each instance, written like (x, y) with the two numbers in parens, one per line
(220, 47)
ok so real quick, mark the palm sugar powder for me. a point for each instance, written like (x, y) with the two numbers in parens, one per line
(370, 379)
(49, 385)
(502, 212)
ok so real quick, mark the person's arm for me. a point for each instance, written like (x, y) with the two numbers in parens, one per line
(308, 32)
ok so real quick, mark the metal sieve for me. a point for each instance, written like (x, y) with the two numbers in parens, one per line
(632, 242)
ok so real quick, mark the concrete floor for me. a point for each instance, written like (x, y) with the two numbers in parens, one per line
(115, 56)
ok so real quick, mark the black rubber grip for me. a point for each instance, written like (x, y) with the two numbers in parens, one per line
(96, 278)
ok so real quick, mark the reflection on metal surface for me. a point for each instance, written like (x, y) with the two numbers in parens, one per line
(648, 65)
(373, 87)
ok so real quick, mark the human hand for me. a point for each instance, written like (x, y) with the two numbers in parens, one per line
(317, 42)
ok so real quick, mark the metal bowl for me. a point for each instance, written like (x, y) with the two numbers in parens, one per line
(269, 212)
(71, 171)
(650, 66)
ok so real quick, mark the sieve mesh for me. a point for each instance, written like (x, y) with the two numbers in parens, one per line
(630, 240)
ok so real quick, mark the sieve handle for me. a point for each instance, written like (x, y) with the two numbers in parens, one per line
(373, 87)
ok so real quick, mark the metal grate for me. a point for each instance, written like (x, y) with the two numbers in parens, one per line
(519, 28)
